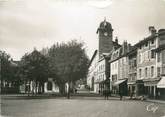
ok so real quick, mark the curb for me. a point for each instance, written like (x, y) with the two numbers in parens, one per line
(155, 101)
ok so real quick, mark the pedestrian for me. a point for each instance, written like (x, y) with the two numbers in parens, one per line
(121, 95)
(99, 91)
(106, 94)
(75, 90)
(131, 94)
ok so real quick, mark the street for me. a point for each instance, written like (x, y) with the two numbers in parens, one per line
(80, 107)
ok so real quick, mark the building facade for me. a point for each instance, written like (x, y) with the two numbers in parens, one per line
(146, 65)
(119, 69)
(160, 64)
(149, 67)
(92, 72)
(132, 70)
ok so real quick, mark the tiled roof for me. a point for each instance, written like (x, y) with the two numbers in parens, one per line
(92, 57)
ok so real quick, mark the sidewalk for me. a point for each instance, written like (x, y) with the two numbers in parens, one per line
(25, 96)
(76, 96)
(147, 100)
(156, 101)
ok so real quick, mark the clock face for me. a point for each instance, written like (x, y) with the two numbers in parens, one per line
(105, 34)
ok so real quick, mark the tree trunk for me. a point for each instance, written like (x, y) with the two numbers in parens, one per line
(62, 89)
(68, 96)
(42, 87)
(36, 85)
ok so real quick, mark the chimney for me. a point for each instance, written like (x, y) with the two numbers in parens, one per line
(124, 47)
(152, 30)
(116, 39)
(129, 47)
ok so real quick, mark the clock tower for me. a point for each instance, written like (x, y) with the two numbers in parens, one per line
(105, 37)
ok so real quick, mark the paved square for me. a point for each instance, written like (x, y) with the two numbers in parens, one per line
(78, 107)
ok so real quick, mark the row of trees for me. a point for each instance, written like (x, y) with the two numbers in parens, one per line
(65, 63)
(9, 74)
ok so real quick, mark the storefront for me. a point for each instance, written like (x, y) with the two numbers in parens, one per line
(131, 88)
(161, 88)
(150, 87)
(140, 88)
(104, 85)
(120, 87)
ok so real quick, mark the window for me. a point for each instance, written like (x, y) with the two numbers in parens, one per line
(158, 71)
(139, 58)
(146, 55)
(140, 73)
(146, 72)
(114, 78)
(134, 63)
(152, 54)
(149, 54)
(158, 55)
(140, 47)
(163, 70)
(146, 44)
(152, 71)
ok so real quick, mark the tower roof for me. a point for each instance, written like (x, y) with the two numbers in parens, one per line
(105, 26)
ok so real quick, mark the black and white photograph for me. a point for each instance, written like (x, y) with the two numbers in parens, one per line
(82, 58)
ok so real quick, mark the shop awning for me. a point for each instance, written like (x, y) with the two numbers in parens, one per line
(161, 83)
(152, 83)
(131, 83)
(119, 82)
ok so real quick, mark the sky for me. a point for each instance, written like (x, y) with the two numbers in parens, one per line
(25, 24)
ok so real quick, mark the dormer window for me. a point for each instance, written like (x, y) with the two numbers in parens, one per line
(140, 47)
(152, 42)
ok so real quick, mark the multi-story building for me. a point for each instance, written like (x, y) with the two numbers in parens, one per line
(103, 72)
(92, 72)
(160, 63)
(119, 69)
(132, 71)
(160, 53)
(147, 77)
(114, 68)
